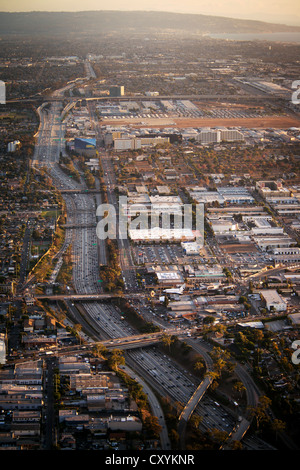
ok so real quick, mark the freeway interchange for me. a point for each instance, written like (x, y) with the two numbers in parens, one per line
(88, 252)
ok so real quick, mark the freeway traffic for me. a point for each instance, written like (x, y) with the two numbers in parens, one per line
(165, 375)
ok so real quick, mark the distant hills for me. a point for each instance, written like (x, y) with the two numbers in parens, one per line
(97, 22)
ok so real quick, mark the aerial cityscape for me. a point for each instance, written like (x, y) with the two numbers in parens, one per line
(150, 233)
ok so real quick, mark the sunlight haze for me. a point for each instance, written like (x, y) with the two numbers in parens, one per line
(287, 12)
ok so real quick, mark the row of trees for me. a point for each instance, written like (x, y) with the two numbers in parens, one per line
(114, 359)
(111, 274)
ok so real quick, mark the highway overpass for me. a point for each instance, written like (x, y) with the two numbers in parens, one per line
(124, 343)
(80, 297)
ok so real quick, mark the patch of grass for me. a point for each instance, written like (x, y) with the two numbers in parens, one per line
(51, 213)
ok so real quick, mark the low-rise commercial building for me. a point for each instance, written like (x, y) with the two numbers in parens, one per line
(269, 243)
(157, 234)
(135, 143)
(269, 189)
(273, 300)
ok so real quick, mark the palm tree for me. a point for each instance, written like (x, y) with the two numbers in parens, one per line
(199, 364)
(239, 387)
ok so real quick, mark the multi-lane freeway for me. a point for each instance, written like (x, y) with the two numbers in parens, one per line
(159, 370)
(126, 261)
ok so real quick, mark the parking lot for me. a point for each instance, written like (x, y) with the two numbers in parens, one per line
(161, 254)
(252, 258)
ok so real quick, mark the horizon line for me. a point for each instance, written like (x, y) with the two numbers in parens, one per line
(140, 11)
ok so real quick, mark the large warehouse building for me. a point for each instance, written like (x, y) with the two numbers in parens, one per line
(273, 300)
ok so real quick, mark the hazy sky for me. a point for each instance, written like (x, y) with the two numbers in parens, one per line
(277, 11)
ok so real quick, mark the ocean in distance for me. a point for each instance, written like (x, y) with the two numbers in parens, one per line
(273, 37)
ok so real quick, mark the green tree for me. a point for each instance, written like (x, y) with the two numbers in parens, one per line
(167, 340)
(259, 413)
(239, 387)
(116, 359)
(278, 426)
(99, 350)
